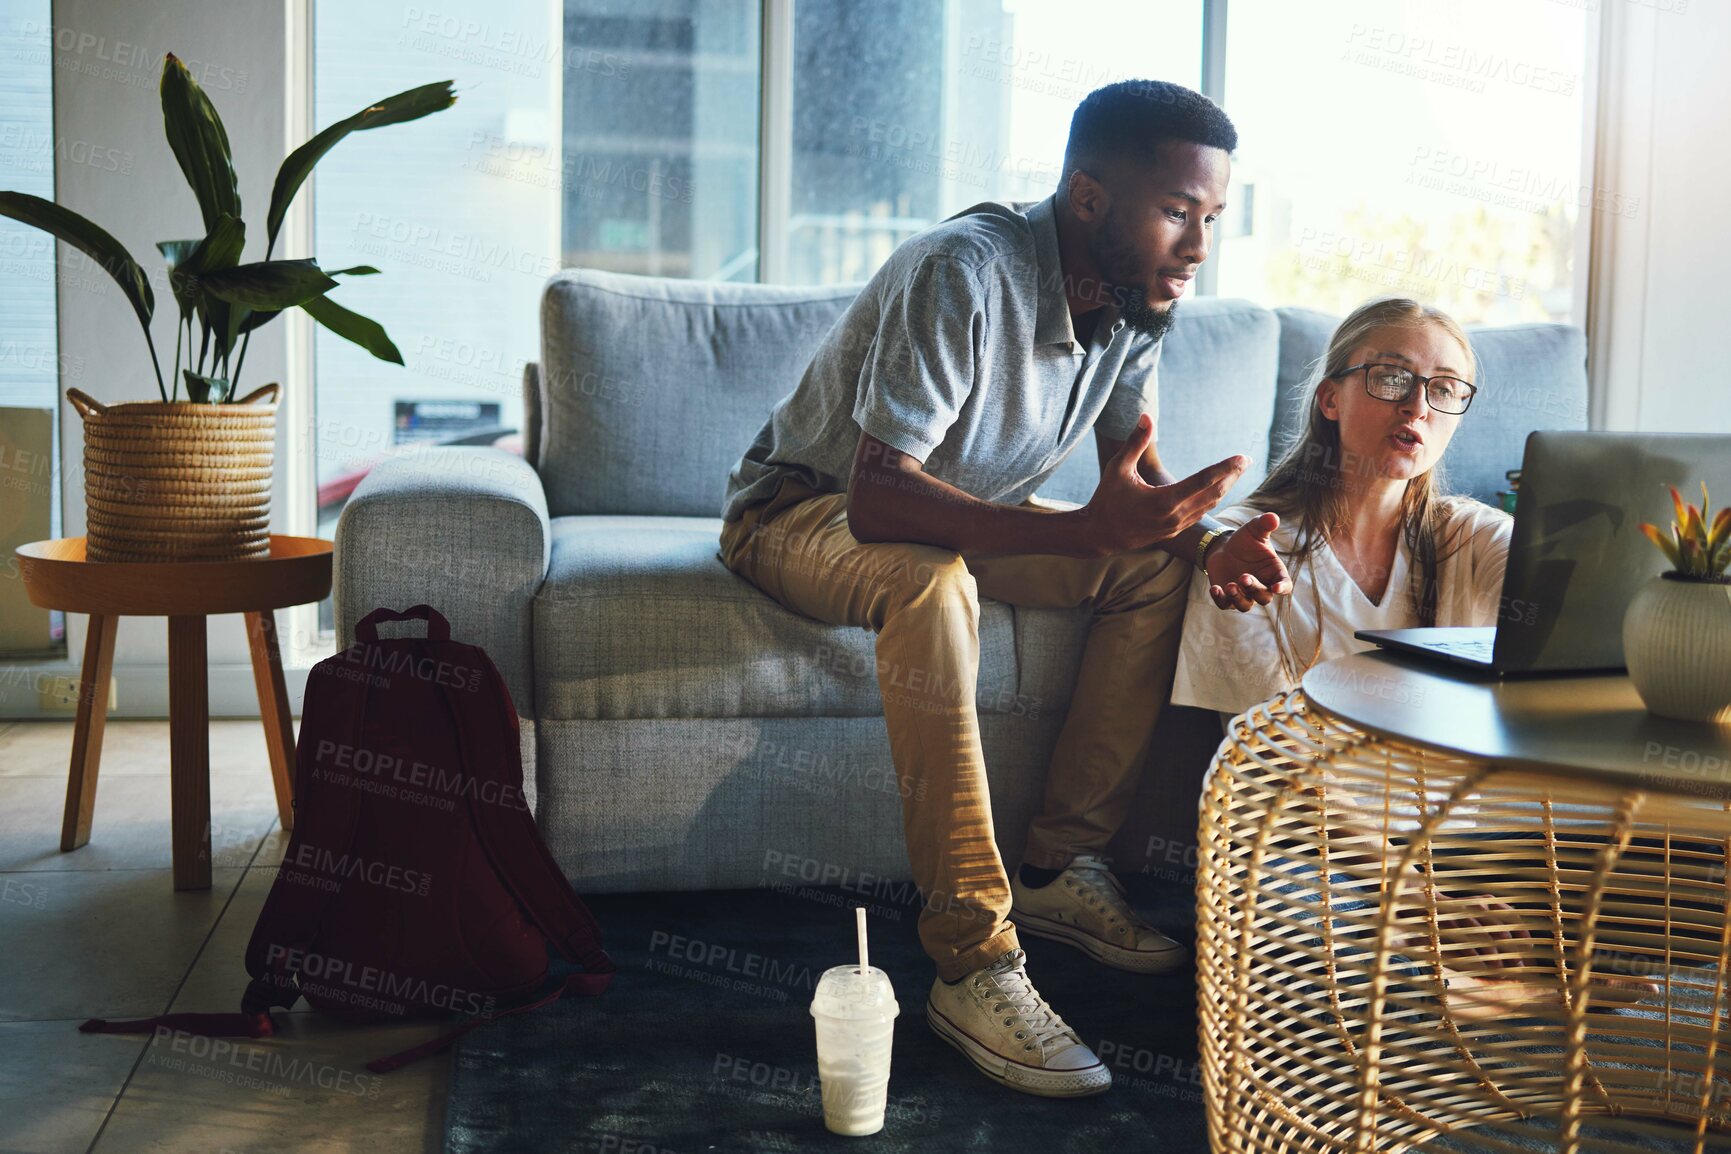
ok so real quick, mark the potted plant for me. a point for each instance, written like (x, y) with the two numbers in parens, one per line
(189, 479)
(1677, 631)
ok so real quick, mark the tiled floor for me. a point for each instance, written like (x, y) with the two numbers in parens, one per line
(100, 932)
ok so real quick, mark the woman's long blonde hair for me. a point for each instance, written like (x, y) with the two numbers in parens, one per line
(1305, 486)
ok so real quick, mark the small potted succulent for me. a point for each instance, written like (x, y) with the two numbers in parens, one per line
(189, 479)
(1677, 631)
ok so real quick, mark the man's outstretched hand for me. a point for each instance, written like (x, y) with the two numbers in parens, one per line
(1126, 512)
(1245, 570)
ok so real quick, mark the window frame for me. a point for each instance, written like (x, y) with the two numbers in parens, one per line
(306, 643)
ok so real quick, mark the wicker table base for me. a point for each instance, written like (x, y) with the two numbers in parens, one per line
(1334, 992)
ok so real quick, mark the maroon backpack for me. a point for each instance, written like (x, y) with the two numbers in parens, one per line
(416, 881)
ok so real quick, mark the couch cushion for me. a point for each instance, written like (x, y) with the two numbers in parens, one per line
(1531, 376)
(638, 618)
(741, 802)
(1048, 655)
(651, 388)
(1216, 396)
(1304, 337)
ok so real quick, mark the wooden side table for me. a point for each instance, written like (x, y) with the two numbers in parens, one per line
(57, 576)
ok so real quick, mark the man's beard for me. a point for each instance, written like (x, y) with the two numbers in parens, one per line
(1115, 260)
(1135, 311)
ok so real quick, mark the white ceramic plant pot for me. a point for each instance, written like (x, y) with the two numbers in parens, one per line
(1677, 641)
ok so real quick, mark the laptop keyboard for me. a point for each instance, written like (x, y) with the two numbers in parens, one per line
(1473, 649)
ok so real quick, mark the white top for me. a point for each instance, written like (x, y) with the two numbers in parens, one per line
(1230, 661)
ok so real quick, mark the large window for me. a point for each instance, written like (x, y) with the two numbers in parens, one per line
(614, 134)
(879, 120)
(29, 349)
(31, 365)
(1385, 146)
(660, 160)
(459, 211)
(1403, 146)
(638, 136)
(904, 112)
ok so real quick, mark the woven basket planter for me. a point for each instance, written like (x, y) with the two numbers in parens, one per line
(178, 482)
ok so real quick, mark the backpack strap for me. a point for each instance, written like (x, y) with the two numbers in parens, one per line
(241, 1025)
(491, 747)
(289, 921)
(288, 924)
(438, 629)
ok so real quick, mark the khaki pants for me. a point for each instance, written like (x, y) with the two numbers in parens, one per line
(923, 603)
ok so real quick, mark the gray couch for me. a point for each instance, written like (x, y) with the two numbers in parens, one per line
(682, 730)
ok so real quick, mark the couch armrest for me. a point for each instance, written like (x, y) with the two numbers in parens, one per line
(464, 530)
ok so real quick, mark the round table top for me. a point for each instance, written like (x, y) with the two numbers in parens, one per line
(1588, 723)
(56, 576)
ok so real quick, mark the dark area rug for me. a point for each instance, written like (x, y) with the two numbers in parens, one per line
(705, 1042)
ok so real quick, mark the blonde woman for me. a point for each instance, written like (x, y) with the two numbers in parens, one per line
(1359, 515)
(1357, 511)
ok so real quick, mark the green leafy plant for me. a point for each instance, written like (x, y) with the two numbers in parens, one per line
(1697, 551)
(229, 299)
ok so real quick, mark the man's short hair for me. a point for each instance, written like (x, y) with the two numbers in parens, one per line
(1128, 120)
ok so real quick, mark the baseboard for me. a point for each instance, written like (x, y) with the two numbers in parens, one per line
(48, 690)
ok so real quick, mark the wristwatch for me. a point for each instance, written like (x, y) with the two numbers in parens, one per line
(1202, 543)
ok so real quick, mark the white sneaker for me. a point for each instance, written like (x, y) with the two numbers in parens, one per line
(1086, 907)
(997, 1018)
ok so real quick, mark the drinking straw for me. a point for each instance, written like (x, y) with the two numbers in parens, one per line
(859, 923)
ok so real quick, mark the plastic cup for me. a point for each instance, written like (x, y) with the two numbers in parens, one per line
(855, 1012)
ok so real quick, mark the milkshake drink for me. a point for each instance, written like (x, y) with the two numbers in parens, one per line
(855, 1011)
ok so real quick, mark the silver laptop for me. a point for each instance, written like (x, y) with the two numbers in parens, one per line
(1578, 554)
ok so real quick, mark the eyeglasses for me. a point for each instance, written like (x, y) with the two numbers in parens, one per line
(1393, 383)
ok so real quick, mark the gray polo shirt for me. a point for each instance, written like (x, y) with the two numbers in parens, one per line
(959, 352)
